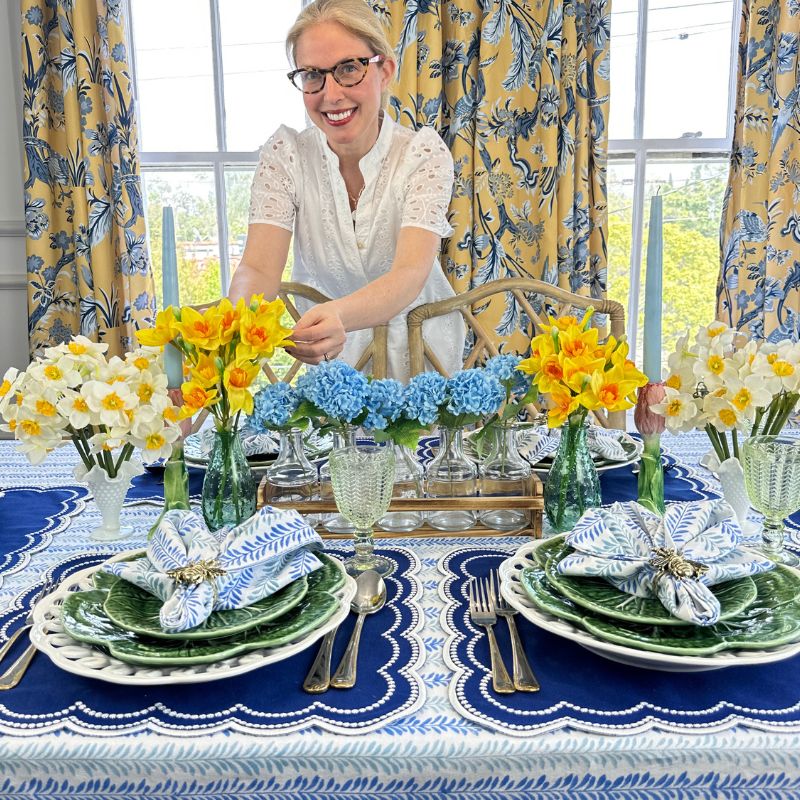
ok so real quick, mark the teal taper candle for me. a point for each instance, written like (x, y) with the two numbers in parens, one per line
(653, 292)
(173, 362)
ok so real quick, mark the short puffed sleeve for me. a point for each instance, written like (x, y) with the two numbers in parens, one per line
(273, 198)
(429, 185)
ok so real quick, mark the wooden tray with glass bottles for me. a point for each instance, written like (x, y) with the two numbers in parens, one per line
(529, 505)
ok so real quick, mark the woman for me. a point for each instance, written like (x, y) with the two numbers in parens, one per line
(365, 198)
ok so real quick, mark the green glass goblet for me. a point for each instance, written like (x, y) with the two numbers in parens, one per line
(771, 467)
(363, 479)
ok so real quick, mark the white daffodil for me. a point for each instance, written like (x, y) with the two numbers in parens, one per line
(108, 440)
(8, 388)
(111, 401)
(720, 413)
(37, 438)
(713, 368)
(74, 408)
(680, 410)
(153, 437)
(681, 360)
(147, 384)
(748, 395)
(717, 336)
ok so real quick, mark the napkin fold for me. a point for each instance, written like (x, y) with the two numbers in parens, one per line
(674, 558)
(195, 572)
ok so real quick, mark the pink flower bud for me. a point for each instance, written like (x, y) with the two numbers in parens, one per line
(648, 423)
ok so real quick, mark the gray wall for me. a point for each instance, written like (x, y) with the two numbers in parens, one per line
(13, 294)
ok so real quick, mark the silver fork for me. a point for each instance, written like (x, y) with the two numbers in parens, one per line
(481, 613)
(13, 675)
(28, 620)
(524, 679)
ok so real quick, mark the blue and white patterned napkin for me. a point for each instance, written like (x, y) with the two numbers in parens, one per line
(196, 572)
(674, 558)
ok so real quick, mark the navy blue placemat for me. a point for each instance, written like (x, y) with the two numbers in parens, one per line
(30, 517)
(268, 700)
(581, 690)
(149, 486)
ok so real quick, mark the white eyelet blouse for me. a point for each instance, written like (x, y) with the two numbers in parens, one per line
(408, 178)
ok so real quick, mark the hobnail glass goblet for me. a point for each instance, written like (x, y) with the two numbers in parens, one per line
(363, 479)
(771, 467)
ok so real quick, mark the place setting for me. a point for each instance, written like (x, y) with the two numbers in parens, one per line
(242, 612)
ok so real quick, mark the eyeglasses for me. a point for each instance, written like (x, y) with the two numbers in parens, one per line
(349, 72)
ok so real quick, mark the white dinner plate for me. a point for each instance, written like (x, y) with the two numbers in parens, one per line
(515, 594)
(82, 659)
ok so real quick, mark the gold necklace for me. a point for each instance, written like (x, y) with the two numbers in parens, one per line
(354, 200)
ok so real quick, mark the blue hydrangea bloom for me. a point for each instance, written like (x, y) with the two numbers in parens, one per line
(474, 391)
(338, 390)
(274, 405)
(504, 367)
(423, 396)
(384, 403)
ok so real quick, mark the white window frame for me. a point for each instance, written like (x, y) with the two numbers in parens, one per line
(639, 149)
(218, 160)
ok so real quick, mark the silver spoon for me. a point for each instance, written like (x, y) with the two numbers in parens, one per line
(370, 597)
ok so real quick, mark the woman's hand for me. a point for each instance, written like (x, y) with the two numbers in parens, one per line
(318, 335)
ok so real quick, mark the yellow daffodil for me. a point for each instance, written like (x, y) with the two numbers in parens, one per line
(163, 332)
(196, 397)
(205, 371)
(613, 390)
(562, 404)
(201, 329)
(541, 347)
(261, 332)
(237, 380)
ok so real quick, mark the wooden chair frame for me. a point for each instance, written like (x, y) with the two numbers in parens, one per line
(485, 347)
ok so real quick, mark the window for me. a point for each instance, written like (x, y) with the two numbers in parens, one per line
(211, 86)
(670, 129)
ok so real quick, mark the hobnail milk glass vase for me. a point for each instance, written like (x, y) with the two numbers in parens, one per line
(336, 523)
(408, 483)
(109, 496)
(229, 488)
(292, 477)
(451, 474)
(572, 485)
(504, 473)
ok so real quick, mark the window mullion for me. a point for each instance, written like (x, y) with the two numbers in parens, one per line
(637, 237)
(731, 122)
(219, 167)
(641, 61)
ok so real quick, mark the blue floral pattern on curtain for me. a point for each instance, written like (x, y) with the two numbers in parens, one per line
(759, 285)
(87, 260)
(519, 91)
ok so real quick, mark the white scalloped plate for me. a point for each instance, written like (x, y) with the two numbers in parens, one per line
(82, 659)
(516, 596)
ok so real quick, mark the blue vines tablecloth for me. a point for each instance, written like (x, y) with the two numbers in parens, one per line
(434, 753)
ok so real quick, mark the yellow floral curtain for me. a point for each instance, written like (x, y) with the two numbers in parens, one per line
(759, 286)
(87, 261)
(519, 91)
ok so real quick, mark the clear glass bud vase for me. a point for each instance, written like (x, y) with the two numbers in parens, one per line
(572, 485)
(504, 473)
(229, 488)
(452, 475)
(291, 477)
(408, 482)
(336, 523)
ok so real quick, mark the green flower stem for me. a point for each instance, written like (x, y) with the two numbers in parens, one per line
(571, 431)
(735, 442)
(651, 475)
(176, 484)
(127, 452)
(79, 440)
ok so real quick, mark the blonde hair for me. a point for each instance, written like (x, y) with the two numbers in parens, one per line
(355, 16)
